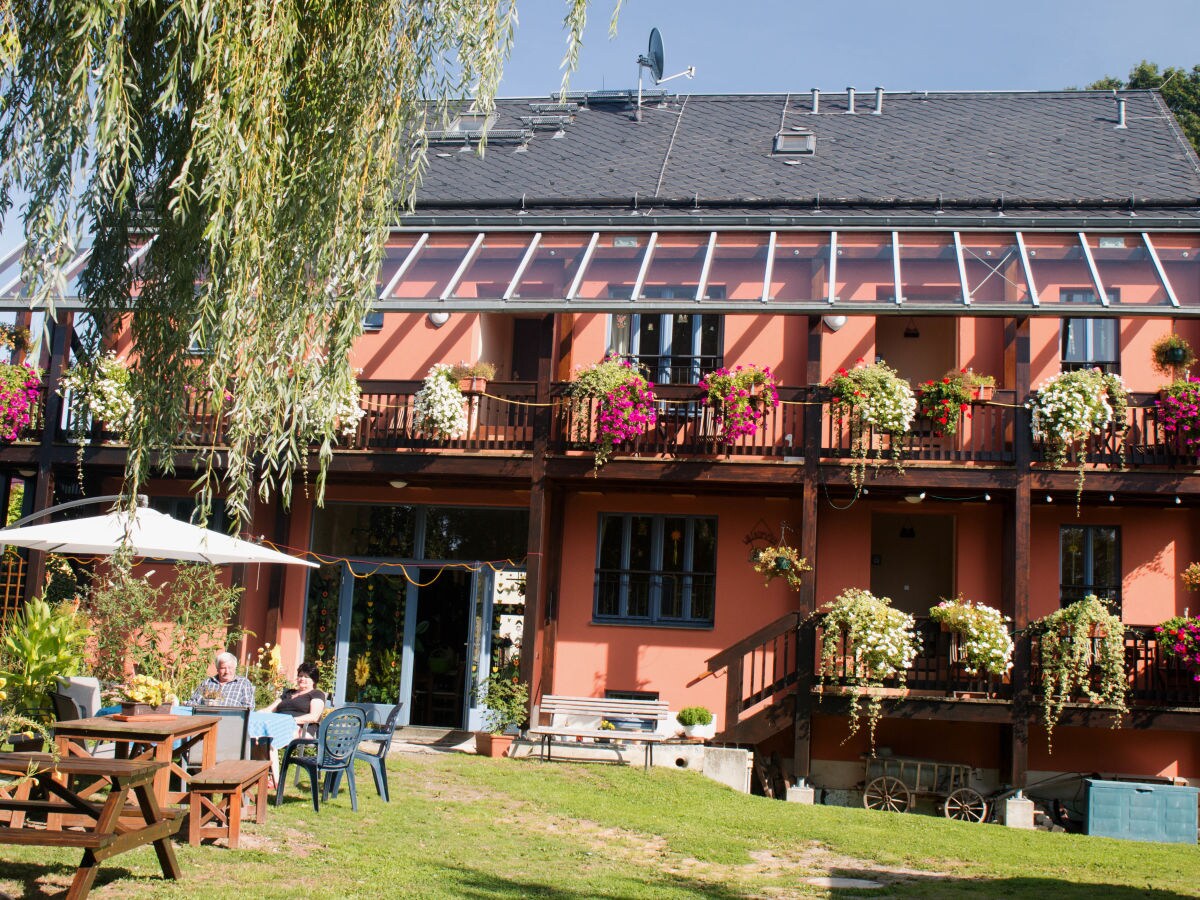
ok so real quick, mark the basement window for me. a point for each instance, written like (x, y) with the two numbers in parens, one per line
(795, 142)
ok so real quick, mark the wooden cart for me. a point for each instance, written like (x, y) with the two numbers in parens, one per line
(894, 783)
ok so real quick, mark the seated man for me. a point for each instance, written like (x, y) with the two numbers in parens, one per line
(227, 687)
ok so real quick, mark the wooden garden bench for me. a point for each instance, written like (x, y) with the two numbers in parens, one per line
(215, 798)
(628, 718)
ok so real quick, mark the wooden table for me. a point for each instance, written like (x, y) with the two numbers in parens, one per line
(110, 827)
(162, 739)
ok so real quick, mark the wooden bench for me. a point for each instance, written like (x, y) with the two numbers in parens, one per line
(626, 717)
(113, 826)
(215, 797)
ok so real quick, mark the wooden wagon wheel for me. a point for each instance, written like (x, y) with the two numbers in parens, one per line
(887, 793)
(965, 805)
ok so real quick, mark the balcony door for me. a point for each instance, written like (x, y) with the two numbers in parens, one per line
(912, 559)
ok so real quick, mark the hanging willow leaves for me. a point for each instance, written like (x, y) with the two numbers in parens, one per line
(263, 148)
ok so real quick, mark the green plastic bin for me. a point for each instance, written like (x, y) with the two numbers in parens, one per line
(1135, 811)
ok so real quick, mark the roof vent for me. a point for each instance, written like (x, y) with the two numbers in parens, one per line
(850, 101)
(1121, 113)
(816, 95)
(878, 110)
(795, 141)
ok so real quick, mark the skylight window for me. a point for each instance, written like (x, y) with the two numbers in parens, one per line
(471, 121)
(795, 142)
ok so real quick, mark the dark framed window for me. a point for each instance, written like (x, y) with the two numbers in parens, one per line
(656, 570)
(1090, 343)
(1090, 563)
(675, 348)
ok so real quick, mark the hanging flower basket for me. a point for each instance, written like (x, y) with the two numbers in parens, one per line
(624, 402)
(983, 645)
(739, 398)
(882, 642)
(438, 407)
(20, 386)
(1082, 655)
(781, 561)
(943, 401)
(872, 397)
(1069, 408)
(1178, 412)
(1179, 639)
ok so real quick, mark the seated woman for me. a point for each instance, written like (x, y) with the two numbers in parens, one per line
(304, 702)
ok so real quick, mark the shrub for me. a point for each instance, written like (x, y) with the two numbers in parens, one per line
(694, 715)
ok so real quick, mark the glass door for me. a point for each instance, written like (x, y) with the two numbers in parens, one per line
(441, 649)
(375, 644)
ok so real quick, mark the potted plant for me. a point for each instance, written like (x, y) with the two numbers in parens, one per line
(983, 387)
(474, 376)
(1191, 576)
(438, 407)
(1179, 639)
(1178, 412)
(1171, 355)
(20, 386)
(781, 561)
(983, 643)
(738, 397)
(871, 397)
(507, 702)
(42, 642)
(1070, 407)
(881, 643)
(98, 390)
(944, 400)
(625, 405)
(697, 722)
(1082, 652)
(141, 694)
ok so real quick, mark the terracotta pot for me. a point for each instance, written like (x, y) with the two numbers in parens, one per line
(492, 745)
(985, 392)
(472, 385)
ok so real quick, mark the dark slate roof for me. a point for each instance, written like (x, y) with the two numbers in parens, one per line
(1031, 155)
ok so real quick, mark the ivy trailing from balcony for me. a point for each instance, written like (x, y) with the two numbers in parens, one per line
(1070, 407)
(1081, 652)
(872, 397)
(625, 405)
(881, 642)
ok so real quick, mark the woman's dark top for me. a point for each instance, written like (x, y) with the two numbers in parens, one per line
(295, 704)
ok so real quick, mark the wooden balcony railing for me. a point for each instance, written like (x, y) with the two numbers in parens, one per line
(502, 419)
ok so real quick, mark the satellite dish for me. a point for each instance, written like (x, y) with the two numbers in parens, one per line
(654, 54)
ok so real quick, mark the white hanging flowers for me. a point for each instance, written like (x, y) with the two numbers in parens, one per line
(872, 397)
(1070, 407)
(985, 644)
(100, 390)
(438, 408)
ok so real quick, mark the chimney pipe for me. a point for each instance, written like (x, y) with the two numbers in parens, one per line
(878, 102)
(816, 95)
(1121, 113)
(850, 101)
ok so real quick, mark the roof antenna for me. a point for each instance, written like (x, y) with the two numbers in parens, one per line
(653, 60)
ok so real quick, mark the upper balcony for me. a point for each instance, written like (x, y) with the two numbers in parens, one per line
(503, 420)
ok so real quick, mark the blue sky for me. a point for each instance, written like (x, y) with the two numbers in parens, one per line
(778, 46)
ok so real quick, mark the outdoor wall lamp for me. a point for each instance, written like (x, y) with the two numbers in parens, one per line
(438, 319)
(914, 498)
(834, 323)
(398, 483)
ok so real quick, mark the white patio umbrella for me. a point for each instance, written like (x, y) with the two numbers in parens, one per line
(150, 534)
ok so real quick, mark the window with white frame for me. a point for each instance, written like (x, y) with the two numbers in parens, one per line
(1091, 343)
(656, 570)
(674, 348)
(1090, 563)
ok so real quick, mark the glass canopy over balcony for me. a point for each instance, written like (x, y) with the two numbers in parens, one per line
(872, 272)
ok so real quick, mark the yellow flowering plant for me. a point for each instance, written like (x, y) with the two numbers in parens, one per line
(145, 689)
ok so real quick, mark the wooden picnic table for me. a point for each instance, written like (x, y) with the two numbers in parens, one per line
(165, 739)
(128, 817)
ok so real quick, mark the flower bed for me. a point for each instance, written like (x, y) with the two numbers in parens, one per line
(738, 397)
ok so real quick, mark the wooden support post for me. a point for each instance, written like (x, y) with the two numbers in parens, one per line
(1016, 551)
(533, 663)
(812, 468)
(806, 648)
(43, 490)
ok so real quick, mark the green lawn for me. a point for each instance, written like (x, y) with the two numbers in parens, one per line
(461, 826)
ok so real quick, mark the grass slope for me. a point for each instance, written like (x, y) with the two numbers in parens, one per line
(460, 826)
